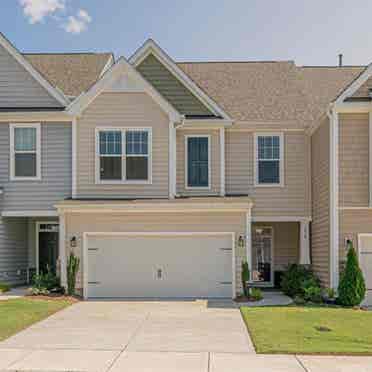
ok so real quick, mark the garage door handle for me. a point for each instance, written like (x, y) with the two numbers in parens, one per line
(225, 249)
(94, 282)
(226, 283)
(93, 249)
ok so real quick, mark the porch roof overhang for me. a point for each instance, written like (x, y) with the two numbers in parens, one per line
(178, 205)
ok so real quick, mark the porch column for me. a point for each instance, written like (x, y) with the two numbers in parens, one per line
(304, 243)
(248, 241)
(62, 249)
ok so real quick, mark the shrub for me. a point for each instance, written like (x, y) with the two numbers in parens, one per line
(296, 278)
(4, 287)
(256, 294)
(313, 294)
(352, 287)
(245, 277)
(46, 281)
(330, 293)
(72, 269)
(34, 291)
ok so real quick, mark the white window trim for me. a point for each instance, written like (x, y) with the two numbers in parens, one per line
(187, 187)
(281, 160)
(123, 181)
(12, 127)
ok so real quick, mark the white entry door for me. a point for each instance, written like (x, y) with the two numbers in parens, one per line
(159, 266)
(365, 257)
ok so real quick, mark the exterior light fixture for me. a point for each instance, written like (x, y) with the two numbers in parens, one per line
(73, 242)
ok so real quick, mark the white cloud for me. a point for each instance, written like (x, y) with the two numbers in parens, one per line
(36, 10)
(77, 24)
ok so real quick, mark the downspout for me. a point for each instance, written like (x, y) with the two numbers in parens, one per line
(333, 197)
(179, 125)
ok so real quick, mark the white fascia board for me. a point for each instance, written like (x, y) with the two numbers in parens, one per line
(29, 213)
(355, 85)
(206, 123)
(121, 67)
(54, 92)
(150, 47)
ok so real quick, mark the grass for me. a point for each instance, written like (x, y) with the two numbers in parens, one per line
(4, 287)
(309, 330)
(18, 314)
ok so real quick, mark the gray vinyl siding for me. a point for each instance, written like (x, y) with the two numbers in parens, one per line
(13, 250)
(18, 88)
(171, 88)
(55, 183)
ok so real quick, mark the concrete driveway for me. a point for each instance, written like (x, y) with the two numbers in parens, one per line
(150, 336)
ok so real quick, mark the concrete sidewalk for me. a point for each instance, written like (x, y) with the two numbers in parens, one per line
(116, 361)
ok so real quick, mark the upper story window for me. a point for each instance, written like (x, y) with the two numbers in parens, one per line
(197, 161)
(269, 159)
(123, 155)
(25, 158)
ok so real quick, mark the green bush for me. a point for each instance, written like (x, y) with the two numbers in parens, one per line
(352, 287)
(330, 293)
(296, 278)
(4, 287)
(245, 277)
(256, 294)
(46, 281)
(313, 294)
(72, 269)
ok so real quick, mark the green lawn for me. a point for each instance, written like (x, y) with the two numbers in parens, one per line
(296, 330)
(18, 314)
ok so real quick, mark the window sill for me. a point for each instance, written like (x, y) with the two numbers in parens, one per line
(269, 185)
(196, 188)
(124, 182)
(23, 179)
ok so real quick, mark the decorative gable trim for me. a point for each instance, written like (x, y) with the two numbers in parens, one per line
(123, 77)
(54, 92)
(355, 85)
(150, 47)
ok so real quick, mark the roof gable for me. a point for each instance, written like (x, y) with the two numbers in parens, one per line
(176, 86)
(23, 86)
(122, 77)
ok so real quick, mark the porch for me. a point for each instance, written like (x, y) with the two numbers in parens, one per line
(274, 246)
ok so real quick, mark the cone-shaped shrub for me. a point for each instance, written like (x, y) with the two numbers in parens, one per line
(72, 269)
(245, 277)
(352, 287)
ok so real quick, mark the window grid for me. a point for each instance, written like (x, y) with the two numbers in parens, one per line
(269, 150)
(137, 137)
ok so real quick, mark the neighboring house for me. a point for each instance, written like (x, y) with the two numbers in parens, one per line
(163, 177)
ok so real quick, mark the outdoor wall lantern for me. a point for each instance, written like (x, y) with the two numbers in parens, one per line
(73, 242)
(241, 241)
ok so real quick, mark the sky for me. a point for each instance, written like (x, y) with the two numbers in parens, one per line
(308, 32)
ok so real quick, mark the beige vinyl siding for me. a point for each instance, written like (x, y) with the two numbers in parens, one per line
(214, 162)
(18, 88)
(320, 229)
(352, 223)
(354, 160)
(77, 223)
(171, 88)
(291, 200)
(122, 110)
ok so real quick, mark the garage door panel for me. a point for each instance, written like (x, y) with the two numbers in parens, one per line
(365, 254)
(157, 266)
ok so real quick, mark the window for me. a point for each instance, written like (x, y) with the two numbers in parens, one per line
(25, 151)
(269, 159)
(124, 155)
(197, 162)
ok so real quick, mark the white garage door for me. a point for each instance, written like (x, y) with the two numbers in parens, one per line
(159, 266)
(365, 254)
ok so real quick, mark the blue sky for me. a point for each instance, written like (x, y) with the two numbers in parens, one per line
(309, 32)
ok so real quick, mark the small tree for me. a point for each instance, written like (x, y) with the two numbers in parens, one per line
(245, 277)
(352, 287)
(72, 269)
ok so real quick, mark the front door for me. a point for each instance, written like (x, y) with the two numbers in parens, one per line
(48, 247)
(262, 255)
